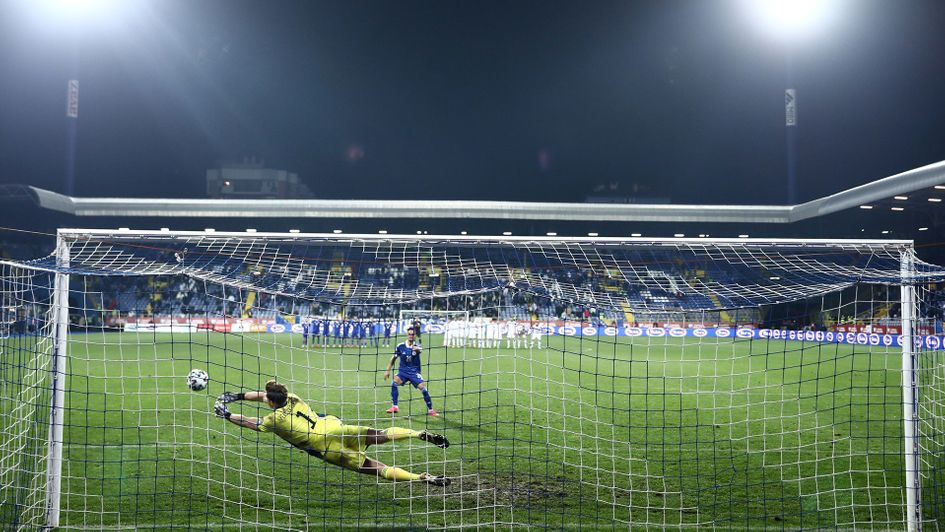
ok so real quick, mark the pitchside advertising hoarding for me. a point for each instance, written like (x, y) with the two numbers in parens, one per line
(885, 336)
(886, 339)
(227, 325)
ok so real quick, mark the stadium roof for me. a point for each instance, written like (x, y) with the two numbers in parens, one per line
(904, 183)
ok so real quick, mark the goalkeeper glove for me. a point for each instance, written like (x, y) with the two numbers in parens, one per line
(229, 397)
(220, 410)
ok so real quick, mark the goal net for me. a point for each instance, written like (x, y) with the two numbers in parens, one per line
(582, 383)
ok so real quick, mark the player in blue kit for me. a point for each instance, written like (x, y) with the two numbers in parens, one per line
(316, 328)
(387, 328)
(345, 332)
(408, 371)
(362, 340)
(374, 328)
(356, 332)
(305, 329)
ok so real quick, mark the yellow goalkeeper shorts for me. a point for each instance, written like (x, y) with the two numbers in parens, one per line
(340, 444)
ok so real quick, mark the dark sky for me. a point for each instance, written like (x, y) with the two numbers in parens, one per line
(523, 100)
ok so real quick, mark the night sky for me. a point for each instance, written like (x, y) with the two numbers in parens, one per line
(523, 100)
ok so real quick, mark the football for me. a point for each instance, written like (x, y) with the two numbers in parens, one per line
(197, 379)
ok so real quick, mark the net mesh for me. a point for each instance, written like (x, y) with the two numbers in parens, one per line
(595, 384)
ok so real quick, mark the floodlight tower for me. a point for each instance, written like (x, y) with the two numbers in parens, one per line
(65, 19)
(72, 120)
(790, 22)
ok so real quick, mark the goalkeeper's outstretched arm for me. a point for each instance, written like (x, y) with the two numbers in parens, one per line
(229, 397)
(248, 422)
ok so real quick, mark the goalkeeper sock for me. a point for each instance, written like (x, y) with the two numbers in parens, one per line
(396, 473)
(426, 398)
(394, 392)
(400, 433)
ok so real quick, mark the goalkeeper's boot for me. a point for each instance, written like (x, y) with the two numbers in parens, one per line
(435, 480)
(393, 410)
(432, 412)
(436, 439)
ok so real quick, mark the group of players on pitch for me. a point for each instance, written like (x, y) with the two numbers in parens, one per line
(327, 437)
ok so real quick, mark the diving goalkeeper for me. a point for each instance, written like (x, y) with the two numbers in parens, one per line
(324, 436)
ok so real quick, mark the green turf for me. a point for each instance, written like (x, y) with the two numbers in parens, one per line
(599, 433)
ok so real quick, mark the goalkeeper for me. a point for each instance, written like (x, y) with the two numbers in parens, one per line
(324, 436)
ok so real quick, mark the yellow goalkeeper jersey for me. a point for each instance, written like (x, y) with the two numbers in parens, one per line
(295, 423)
(327, 436)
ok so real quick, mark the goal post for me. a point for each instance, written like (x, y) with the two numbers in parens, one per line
(678, 383)
(59, 318)
(909, 395)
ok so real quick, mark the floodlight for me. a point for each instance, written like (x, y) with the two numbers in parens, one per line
(790, 19)
(77, 14)
(923, 229)
(77, 7)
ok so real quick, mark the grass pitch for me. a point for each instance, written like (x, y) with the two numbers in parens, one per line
(580, 433)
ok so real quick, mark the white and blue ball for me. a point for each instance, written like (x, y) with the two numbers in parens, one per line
(197, 380)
